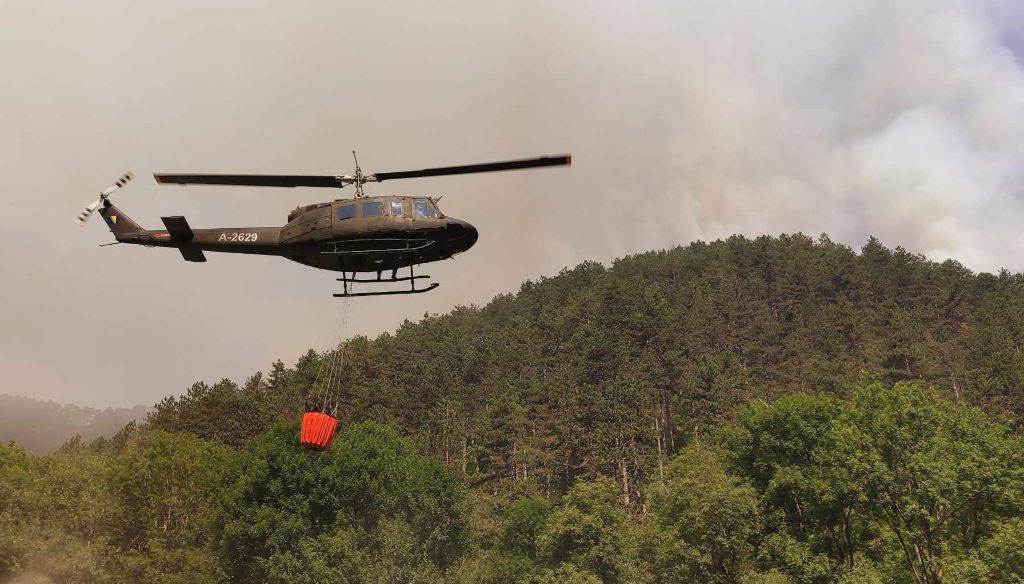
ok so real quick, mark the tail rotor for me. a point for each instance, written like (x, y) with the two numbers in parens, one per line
(83, 217)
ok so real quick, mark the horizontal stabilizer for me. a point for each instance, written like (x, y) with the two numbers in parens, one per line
(192, 254)
(178, 228)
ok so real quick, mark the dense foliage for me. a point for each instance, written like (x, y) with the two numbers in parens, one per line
(776, 410)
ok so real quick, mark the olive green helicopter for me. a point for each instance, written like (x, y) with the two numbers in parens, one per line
(376, 235)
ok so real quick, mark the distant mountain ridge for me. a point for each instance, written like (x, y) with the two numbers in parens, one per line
(43, 425)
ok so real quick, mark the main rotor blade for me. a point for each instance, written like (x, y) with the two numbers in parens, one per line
(560, 160)
(252, 180)
(338, 181)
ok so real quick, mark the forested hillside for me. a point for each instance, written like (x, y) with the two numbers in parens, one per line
(42, 426)
(608, 371)
(770, 410)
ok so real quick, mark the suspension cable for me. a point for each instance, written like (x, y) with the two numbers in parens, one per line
(333, 376)
(326, 375)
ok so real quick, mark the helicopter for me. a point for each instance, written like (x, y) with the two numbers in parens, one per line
(376, 235)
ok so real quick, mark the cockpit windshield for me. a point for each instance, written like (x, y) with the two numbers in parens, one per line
(424, 209)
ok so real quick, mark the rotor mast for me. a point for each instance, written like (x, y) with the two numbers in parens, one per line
(359, 179)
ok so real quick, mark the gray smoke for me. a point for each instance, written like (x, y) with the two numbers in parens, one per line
(687, 120)
(896, 119)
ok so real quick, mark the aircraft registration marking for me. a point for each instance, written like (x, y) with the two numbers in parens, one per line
(238, 237)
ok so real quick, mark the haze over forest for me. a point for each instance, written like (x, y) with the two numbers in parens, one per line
(686, 121)
(42, 426)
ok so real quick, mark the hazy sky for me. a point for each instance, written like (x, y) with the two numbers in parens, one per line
(686, 119)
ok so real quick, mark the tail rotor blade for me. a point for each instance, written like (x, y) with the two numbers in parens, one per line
(119, 184)
(88, 211)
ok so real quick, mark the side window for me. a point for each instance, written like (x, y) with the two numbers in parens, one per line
(346, 212)
(424, 210)
(373, 209)
(396, 208)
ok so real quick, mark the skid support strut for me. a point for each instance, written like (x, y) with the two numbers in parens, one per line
(411, 278)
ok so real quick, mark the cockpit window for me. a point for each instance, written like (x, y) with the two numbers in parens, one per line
(346, 212)
(396, 208)
(373, 209)
(423, 209)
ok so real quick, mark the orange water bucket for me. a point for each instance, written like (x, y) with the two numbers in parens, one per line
(317, 430)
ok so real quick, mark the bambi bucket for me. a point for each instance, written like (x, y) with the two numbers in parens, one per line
(317, 430)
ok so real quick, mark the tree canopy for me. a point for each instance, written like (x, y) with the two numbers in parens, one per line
(771, 410)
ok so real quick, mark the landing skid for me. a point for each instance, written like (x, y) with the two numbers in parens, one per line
(388, 292)
(411, 278)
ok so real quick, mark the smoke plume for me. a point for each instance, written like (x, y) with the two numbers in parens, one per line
(687, 120)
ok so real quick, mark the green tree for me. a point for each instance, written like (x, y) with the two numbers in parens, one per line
(57, 514)
(937, 475)
(811, 511)
(713, 515)
(586, 530)
(169, 489)
(15, 479)
(371, 490)
(1002, 554)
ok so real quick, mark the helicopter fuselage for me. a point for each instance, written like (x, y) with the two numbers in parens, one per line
(365, 234)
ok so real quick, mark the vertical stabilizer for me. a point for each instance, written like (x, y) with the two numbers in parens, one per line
(119, 223)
